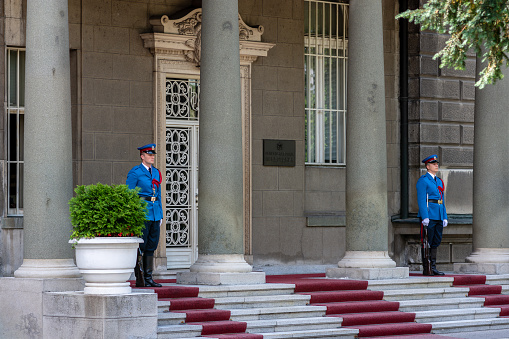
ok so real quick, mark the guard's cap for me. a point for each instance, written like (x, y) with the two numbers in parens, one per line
(431, 159)
(149, 149)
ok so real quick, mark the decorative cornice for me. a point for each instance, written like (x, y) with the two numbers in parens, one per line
(184, 36)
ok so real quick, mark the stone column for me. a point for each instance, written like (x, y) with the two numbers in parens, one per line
(366, 157)
(220, 214)
(48, 144)
(491, 186)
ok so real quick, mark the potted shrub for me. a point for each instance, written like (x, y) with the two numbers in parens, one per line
(107, 226)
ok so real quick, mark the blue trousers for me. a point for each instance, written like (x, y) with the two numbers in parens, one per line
(435, 229)
(150, 237)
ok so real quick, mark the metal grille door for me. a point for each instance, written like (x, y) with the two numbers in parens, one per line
(181, 172)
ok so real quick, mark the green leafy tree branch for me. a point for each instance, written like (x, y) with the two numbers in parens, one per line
(481, 25)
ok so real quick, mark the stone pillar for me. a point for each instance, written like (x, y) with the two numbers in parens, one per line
(48, 144)
(366, 157)
(220, 214)
(491, 187)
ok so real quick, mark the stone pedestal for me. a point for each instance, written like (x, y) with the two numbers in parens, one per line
(22, 304)
(485, 261)
(77, 315)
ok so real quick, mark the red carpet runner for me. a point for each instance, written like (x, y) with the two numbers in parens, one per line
(200, 311)
(349, 299)
(361, 309)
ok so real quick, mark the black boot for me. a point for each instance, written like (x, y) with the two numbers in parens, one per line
(138, 270)
(148, 265)
(434, 262)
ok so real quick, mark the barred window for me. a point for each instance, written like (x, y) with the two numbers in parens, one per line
(15, 121)
(325, 68)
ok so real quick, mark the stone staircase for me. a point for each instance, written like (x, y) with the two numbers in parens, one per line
(274, 311)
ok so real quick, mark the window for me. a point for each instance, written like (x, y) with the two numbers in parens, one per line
(14, 106)
(325, 67)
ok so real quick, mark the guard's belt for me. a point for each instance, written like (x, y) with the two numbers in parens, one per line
(149, 198)
(435, 201)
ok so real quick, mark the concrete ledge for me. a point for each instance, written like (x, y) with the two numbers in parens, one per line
(198, 278)
(482, 268)
(368, 273)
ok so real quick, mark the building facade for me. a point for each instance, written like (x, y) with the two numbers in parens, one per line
(135, 78)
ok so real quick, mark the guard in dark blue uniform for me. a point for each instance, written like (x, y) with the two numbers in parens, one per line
(432, 212)
(148, 178)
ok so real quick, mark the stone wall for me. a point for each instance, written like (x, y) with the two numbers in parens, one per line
(115, 85)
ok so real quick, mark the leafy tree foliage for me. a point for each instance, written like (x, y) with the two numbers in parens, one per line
(478, 24)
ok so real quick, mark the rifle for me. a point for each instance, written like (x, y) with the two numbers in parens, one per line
(425, 251)
(138, 270)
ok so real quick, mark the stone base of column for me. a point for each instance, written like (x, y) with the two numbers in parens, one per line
(485, 261)
(47, 269)
(221, 269)
(23, 298)
(367, 265)
(486, 268)
(368, 273)
(194, 278)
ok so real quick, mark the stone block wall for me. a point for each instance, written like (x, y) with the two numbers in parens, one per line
(441, 119)
(114, 110)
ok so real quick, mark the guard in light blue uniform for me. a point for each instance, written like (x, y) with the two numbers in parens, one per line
(432, 212)
(149, 179)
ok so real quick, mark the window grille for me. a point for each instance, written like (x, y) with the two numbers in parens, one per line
(14, 107)
(325, 68)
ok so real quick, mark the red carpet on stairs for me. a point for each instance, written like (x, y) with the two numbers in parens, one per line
(361, 309)
(206, 315)
(221, 327)
(200, 311)
(177, 304)
(478, 288)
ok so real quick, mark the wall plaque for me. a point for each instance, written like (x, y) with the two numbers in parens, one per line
(278, 152)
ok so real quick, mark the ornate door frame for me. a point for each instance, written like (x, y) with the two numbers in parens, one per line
(176, 46)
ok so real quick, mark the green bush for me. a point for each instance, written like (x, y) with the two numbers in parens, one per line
(107, 211)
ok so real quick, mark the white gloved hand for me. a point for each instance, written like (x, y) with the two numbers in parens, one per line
(445, 223)
(425, 222)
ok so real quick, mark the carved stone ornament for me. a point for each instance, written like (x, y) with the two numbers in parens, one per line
(190, 25)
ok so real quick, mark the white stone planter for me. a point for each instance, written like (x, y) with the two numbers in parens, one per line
(106, 263)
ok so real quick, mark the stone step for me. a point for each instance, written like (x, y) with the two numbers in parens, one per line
(170, 318)
(293, 324)
(470, 325)
(456, 315)
(223, 291)
(339, 333)
(250, 314)
(262, 301)
(410, 283)
(427, 293)
(498, 279)
(178, 331)
(439, 304)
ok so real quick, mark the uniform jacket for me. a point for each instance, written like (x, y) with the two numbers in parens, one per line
(427, 187)
(139, 176)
